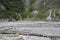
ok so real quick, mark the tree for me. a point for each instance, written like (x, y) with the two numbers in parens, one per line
(13, 7)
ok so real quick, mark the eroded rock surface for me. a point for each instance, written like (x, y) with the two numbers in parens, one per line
(29, 30)
(21, 37)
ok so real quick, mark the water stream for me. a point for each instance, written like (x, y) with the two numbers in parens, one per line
(49, 17)
(27, 3)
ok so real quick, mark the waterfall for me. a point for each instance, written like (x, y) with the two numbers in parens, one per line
(27, 3)
(2, 6)
(49, 17)
(35, 12)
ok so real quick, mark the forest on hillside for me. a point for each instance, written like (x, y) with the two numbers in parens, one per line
(30, 10)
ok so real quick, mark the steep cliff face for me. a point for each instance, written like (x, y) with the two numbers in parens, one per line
(53, 3)
(48, 3)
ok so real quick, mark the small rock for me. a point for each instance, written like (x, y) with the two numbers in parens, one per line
(17, 34)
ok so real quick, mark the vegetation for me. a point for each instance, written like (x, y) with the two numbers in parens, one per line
(16, 9)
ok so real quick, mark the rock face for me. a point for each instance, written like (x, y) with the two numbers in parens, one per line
(21, 37)
(53, 3)
(29, 31)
